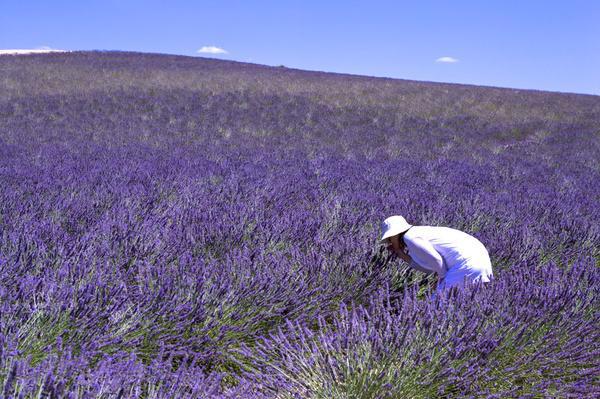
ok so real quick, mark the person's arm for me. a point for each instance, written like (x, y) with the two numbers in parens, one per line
(416, 266)
(411, 262)
(422, 252)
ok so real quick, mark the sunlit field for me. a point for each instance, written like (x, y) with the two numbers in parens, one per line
(185, 227)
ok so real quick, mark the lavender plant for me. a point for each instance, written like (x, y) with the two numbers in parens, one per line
(184, 227)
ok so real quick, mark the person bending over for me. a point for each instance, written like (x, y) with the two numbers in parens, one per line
(453, 255)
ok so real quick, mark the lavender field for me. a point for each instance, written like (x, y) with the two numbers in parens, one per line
(184, 227)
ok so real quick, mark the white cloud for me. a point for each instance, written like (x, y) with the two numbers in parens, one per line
(39, 50)
(212, 50)
(447, 60)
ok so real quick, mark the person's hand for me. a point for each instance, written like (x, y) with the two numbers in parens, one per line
(403, 254)
(396, 248)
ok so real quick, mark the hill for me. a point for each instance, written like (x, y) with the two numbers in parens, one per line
(279, 101)
(184, 227)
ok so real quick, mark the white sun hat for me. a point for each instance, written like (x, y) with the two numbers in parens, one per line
(394, 225)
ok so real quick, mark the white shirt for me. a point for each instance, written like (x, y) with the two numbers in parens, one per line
(444, 251)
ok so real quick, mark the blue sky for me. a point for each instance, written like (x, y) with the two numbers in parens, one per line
(530, 44)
